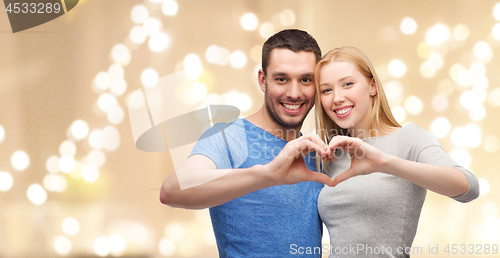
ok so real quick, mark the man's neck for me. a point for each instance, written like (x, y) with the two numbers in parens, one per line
(263, 120)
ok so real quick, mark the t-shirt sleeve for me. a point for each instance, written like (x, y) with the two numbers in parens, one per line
(421, 146)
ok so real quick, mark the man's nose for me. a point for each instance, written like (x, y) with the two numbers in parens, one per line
(293, 90)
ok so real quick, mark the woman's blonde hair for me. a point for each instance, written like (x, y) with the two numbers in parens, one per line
(381, 118)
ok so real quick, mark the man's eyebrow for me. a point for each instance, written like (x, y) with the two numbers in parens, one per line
(308, 75)
(277, 74)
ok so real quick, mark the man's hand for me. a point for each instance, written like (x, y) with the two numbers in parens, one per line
(289, 167)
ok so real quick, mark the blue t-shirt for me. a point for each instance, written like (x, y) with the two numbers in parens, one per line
(272, 222)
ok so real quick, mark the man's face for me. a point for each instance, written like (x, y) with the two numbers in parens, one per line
(289, 86)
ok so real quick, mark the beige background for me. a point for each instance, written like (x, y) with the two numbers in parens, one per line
(47, 81)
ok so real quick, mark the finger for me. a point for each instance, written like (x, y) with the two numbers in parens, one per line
(343, 176)
(319, 177)
(307, 146)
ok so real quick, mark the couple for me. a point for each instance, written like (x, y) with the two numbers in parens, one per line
(272, 202)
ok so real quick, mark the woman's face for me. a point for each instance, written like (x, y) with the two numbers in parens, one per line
(346, 96)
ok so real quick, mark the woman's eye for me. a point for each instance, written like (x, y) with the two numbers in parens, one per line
(348, 84)
(325, 91)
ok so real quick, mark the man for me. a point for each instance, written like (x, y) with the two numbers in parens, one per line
(264, 205)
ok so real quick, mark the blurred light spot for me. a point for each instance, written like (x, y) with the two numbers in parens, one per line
(52, 164)
(198, 91)
(212, 99)
(136, 100)
(424, 50)
(495, 32)
(478, 68)
(474, 135)
(491, 144)
(118, 86)
(120, 54)
(116, 115)
(187, 248)
(238, 59)
(101, 246)
(117, 244)
(408, 26)
(175, 232)
(166, 247)
(139, 14)
(455, 70)
(287, 18)
(492, 231)
(461, 32)
(458, 136)
(55, 183)
(70, 226)
(484, 186)
(79, 129)
(468, 99)
(158, 42)
(96, 158)
(413, 105)
(67, 148)
(440, 102)
(67, 163)
(36, 194)
(192, 64)
(96, 139)
(266, 30)
(149, 77)
(103, 80)
(137, 35)
(427, 69)
(213, 54)
(477, 112)
(152, 26)
(106, 102)
(90, 173)
(399, 113)
(224, 57)
(2, 134)
(111, 138)
(496, 11)
(494, 97)
(437, 35)
(116, 71)
(397, 68)
(437, 60)
(62, 245)
(170, 7)
(461, 156)
(490, 208)
(6, 181)
(480, 84)
(20, 160)
(446, 87)
(483, 51)
(465, 78)
(440, 127)
(393, 89)
(249, 21)
(240, 100)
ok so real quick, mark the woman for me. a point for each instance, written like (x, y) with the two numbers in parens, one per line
(380, 170)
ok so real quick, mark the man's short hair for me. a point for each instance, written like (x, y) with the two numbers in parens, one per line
(292, 39)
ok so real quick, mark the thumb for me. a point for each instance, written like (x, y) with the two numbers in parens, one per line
(343, 176)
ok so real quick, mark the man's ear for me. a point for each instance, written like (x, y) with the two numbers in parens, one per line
(262, 80)
(373, 90)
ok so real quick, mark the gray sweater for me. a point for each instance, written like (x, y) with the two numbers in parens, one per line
(376, 215)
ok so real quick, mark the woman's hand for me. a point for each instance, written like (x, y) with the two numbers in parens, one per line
(288, 166)
(365, 159)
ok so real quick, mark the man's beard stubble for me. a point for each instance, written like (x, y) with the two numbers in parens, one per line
(274, 113)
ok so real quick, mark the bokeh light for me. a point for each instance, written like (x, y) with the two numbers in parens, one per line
(101, 246)
(52, 164)
(496, 11)
(474, 135)
(55, 183)
(96, 139)
(397, 68)
(62, 245)
(90, 173)
(413, 105)
(70, 226)
(437, 35)
(459, 136)
(494, 97)
(36, 194)
(67, 148)
(103, 80)
(116, 115)
(408, 26)
(20, 160)
(117, 244)
(266, 30)
(193, 67)
(399, 113)
(491, 144)
(96, 158)
(137, 35)
(461, 32)
(287, 18)
(495, 32)
(483, 51)
(477, 112)
(249, 21)
(2, 134)
(484, 186)
(478, 68)
(111, 138)
(67, 164)
(118, 86)
(152, 26)
(158, 42)
(150, 77)
(461, 156)
(238, 59)
(440, 127)
(170, 7)
(440, 102)
(6, 181)
(166, 247)
(427, 69)
(213, 54)
(120, 54)
(107, 102)
(79, 129)
(224, 57)
(198, 91)
(437, 60)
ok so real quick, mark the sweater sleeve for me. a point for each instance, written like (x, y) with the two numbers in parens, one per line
(421, 146)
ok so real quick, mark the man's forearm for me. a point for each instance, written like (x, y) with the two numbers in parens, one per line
(233, 184)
